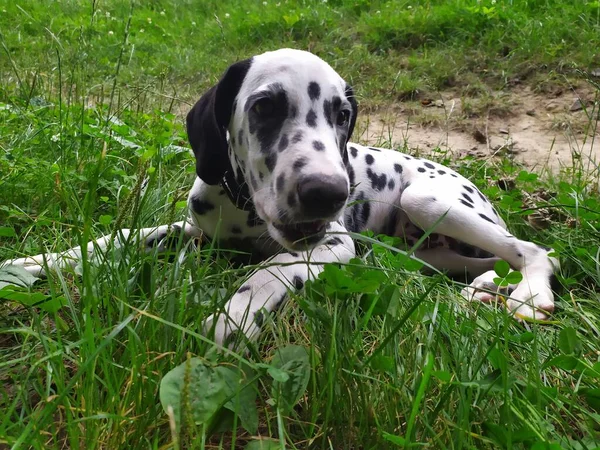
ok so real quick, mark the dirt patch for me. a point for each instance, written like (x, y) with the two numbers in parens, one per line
(542, 131)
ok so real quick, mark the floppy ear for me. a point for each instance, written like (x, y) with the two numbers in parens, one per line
(208, 120)
(350, 96)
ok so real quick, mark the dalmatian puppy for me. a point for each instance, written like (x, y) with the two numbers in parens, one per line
(277, 176)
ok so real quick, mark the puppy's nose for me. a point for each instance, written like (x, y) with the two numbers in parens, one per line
(321, 197)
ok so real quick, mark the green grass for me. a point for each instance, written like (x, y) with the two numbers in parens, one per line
(395, 357)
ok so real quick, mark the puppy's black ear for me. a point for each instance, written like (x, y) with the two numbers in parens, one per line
(208, 120)
(350, 96)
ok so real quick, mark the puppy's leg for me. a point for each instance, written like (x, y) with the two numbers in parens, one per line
(454, 263)
(268, 287)
(428, 206)
(154, 237)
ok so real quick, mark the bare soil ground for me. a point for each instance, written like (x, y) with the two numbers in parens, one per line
(544, 131)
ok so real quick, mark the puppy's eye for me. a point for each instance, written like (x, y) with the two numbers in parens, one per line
(343, 117)
(264, 107)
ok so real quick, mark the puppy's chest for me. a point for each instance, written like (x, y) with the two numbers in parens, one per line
(213, 213)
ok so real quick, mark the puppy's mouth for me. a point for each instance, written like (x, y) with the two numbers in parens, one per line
(302, 234)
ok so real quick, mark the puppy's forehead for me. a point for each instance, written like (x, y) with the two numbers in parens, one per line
(292, 69)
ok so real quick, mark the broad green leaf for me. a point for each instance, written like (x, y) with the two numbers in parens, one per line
(565, 362)
(263, 444)
(32, 299)
(495, 432)
(591, 396)
(568, 342)
(514, 277)
(294, 360)
(546, 446)
(105, 219)
(242, 397)
(7, 232)
(383, 363)
(502, 268)
(278, 374)
(500, 281)
(16, 276)
(206, 391)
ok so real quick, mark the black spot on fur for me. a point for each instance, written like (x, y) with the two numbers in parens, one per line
(333, 241)
(327, 112)
(391, 184)
(397, 168)
(407, 157)
(298, 282)
(270, 162)
(364, 207)
(468, 189)
(253, 219)
(297, 137)
(378, 182)
(441, 172)
(391, 222)
(482, 197)
(291, 199)
(201, 207)
(318, 146)
(294, 254)
(454, 175)
(311, 119)
(467, 198)
(429, 165)
(470, 205)
(353, 151)
(351, 176)
(283, 142)
(342, 145)
(293, 112)
(369, 159)
(421, 169)
(280, 302)
(314, 90)
(484, 217)
(300, 163)
(268, 129)
(280, 183)
(243, 289)
(358, 214)
(375, 149)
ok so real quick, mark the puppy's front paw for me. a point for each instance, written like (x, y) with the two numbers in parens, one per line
(531, 300)
(483, 288)
(235, 325)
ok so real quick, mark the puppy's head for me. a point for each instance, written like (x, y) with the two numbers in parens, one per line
(280, 121)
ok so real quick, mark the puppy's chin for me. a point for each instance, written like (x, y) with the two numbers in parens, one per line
(297, 238)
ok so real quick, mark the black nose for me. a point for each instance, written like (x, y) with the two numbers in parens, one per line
(321, 197)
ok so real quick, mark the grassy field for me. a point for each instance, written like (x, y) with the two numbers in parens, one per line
(374, 354)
